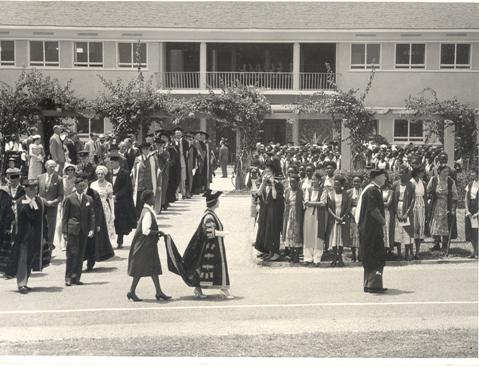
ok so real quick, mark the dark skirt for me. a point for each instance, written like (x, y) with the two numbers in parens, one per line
(373, 278)
(144, 260)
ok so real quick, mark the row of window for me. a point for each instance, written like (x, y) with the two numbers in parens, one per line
(85, 54)
(411, 55)
(363, 55)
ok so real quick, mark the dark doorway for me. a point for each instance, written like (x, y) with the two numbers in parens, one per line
(229, 134)
(274, 130)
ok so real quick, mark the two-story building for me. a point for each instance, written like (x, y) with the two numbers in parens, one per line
(283, 47)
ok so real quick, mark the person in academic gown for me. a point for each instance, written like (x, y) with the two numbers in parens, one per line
(125, 213)
(164, 165)
(143, 259)
(30, 250)
(370, 219)
(174, 173)
(143, 176)
(7, 227)
(182, 147)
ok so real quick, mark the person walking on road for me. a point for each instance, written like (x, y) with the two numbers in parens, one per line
(224, 154)
(143, 259)
(370, 219)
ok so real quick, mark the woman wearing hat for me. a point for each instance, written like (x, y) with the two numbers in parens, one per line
(204, 259)
(37, 155)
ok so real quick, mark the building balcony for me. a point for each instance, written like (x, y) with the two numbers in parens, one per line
(280, 81)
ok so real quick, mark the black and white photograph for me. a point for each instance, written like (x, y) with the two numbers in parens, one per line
(254, 183)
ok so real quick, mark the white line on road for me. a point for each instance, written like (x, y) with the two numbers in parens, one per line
(291, 305)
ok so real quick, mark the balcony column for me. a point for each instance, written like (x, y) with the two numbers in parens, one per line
(449, 138)
(346, 154)
(203, 123)
(162, 65)
(203, 65)
(296, 65)
(295, 121)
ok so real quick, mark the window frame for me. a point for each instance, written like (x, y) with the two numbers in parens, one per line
(134, 65)
(3, 63)
(87, 135)
(408, 138)
(44, 63)
(410, 65)
(365, 65)
(455, 65)
(89, 64)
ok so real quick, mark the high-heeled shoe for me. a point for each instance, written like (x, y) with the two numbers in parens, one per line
(199, 294)
(163, 297)
(227, 294)
(133, 297)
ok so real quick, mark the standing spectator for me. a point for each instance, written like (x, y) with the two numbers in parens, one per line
(37, 156)
(131, 153)
(354, 193)
(293, 218)
(472, 220)
(86, 165)
(224, 154)
(402, 209)
(339, 209)
(57, 151)
(91, 146)
(388, 229)
(370, 219)
(442, 192)
(270, 221)
(71, 148)
(30, 236)
(125, 218)
(312, 244)
(78, 222)
(419, 210)
(50, 188)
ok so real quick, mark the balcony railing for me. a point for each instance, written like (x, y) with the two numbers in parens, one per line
(267, 80)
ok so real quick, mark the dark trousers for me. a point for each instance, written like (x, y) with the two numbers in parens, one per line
(51, 212)
(76, 246)
(372, 279)
(224, 169)
(139, 204)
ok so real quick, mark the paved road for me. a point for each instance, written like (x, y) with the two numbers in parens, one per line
(431, 310)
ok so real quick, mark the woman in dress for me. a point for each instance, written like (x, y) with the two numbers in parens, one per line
(143, 259)
(339, 210)
(387, 230)
(419, 210)
(402, 209)
(293, 218)
(105, 190)
(37, 155)
(204, 259)
(354, 193)
(312, 245)
(68, 181)
(270, 220)
(442, 192)
(472, 220)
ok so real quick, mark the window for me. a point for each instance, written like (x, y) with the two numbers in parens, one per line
(88, 54)
(87, 126)
(128, 54)
(455, 56)
(408, 131)
(363, 55)
(7, 53)
(410, 56)
(44, 53)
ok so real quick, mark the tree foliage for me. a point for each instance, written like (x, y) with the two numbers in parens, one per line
(437, 114)
(348, 105)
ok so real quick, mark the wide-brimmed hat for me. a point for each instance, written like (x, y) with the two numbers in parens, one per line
(377, 172)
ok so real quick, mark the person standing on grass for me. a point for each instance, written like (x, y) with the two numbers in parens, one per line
(370, 219)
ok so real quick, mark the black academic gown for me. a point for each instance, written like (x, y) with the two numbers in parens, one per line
(7, 220)
(125, 212)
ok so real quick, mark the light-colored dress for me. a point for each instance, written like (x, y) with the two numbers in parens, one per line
(419, 210)
(354, 227)
(336, 239)
(313, 245)
(387, 217)
(291, 235)
(37, 156)
(105, 190)
(400, 234)
(439, 223)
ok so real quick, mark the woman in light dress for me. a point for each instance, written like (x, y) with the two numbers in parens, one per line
(354, 193)
(419, 210)
(387, 199)
(105, 190)
(37, 155)
(313, 246)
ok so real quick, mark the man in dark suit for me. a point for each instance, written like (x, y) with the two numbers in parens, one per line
(86, 166)
(182, 147)
(131, 154)
(50, 188)
(224, 155)
(125, 213)
(56, 148)
(78, 224)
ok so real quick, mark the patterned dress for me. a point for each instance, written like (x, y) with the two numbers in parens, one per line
(419, 210)
(387, 217)
(439, 221)
(292, 226)
(105, 190)
(336, 236)
(400, 234)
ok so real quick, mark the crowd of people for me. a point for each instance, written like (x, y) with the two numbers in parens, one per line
(81, 198)
(303, 206)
